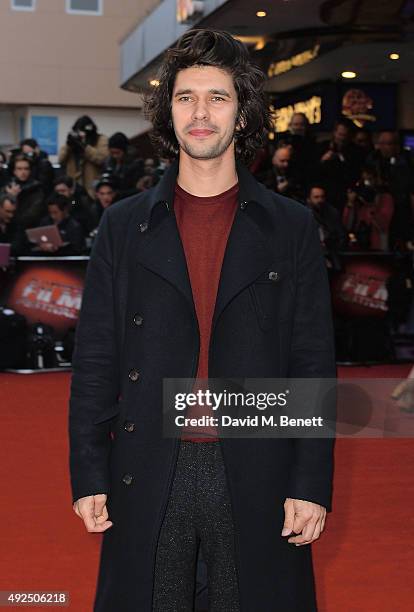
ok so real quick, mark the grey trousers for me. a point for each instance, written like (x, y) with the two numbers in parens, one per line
(198, 514)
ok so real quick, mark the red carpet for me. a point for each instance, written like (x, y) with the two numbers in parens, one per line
(364, 560)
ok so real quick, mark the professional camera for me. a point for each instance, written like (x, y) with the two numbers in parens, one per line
(74, 141)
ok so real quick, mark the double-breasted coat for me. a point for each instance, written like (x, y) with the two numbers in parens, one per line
(138, 325)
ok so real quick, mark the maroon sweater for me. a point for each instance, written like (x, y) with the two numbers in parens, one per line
(204, 225)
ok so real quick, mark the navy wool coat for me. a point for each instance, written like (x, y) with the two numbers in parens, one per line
(138, 325)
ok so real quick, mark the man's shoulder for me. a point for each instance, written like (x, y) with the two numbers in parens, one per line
(133, 206)
(282, 208)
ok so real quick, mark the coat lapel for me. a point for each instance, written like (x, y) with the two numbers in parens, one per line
(247, 252)
(162, 252)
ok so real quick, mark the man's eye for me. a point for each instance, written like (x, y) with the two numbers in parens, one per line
(217, 98)
(185, 98)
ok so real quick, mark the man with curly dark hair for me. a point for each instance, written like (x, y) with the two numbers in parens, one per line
(207, 275)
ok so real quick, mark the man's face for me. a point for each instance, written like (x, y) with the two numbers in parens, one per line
(281, 159)
(388, 144)
(341, 134)
(317, 197)
(64, 190)
(56, 214)
(28, 150)
(22, 170)
(362, 139)
(7, 211)
(116, 154)
(105, 195)
(204, 111)
(298, 124)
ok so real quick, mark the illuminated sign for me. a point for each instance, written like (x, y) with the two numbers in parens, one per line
(357, 106)
(299, 59)
(281, 117)
(189, 10)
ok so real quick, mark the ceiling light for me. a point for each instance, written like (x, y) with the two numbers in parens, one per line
(261, 14)
(348, 74)
(394, 56)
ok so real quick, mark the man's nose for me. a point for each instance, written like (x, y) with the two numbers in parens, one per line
(200, 110)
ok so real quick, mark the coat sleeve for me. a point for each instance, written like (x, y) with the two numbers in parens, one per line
(94, 384)
(97, 155)
(63, 154)
(312, 355)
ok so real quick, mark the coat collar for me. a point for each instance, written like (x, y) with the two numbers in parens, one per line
(163, 192)
(248, 252)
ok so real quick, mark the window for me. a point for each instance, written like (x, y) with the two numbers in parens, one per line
(84, 7)
(23, 5)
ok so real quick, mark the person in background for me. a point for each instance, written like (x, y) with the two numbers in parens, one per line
(395, 171)
(4, 175)
(106, 190)
(303, 144)
(28, 192)
(283, 177)
(363, 140)
(69, 229)
(122, 164)
(9, 230)
(332, 233)
(81, 204)
(368, 212)
(83, 156)
(42, 169)
(340, 162)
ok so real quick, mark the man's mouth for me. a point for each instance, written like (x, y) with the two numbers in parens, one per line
(200, 133)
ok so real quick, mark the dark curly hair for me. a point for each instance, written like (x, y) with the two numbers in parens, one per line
(207, 47)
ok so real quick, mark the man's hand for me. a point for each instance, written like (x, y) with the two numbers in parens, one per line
(92, 510)
(304, 518)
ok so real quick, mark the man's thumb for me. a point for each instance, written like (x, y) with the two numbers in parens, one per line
(100, 501)
(289, 519)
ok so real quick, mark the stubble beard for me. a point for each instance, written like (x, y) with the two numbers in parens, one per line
(207, 151)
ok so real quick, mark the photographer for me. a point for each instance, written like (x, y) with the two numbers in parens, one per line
(122, 164)
(332, 233)
(81, 204)
(83, 156)
(340, 161)
(9, 230)
(28, 192)
(69, 229)
(42, 169)
(106, 190)
(368, 213)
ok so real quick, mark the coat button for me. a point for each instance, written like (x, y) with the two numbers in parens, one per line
(243, 205)
(143, 226)
(138, 320)
(133, 375)
(274, 276)
(127, 479)
(129, 426)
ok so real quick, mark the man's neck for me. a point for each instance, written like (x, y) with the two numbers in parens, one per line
(206, 177)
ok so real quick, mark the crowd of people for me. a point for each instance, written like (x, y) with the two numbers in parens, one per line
(360, 189)
(94, 171)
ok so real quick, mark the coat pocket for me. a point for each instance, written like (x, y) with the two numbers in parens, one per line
(272, 294)
(108, 414)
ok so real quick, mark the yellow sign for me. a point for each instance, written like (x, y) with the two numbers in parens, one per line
(299, 59)
(281, 117)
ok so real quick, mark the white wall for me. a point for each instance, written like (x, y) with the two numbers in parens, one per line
(108, 120)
